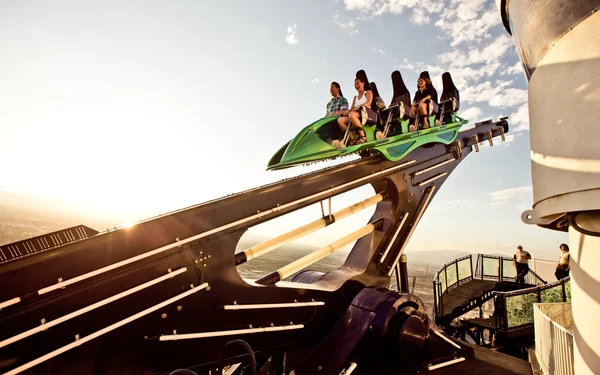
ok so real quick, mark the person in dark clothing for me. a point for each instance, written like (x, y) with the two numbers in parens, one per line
(564, 263)
(424, 102)
(520, 260)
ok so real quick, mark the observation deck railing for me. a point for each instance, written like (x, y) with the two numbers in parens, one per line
(451, 275)
(461, 271)
(554, 337)
(491, 267)
(514, 310)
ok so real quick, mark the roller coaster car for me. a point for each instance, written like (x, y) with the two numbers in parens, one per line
(389, 136)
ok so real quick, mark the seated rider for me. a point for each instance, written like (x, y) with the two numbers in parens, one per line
(364, 98)
(338, 104)
(424, 97)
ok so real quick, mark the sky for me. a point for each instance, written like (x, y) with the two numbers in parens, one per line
(129, 109)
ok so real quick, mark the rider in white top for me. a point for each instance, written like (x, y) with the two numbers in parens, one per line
(360, 101)
(351, 118)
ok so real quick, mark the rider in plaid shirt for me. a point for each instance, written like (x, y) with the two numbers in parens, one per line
(338, 103)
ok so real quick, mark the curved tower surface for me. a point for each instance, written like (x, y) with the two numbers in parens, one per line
(558, 42)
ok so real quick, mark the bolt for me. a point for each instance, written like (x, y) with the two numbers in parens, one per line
(201, 253)
(174, 331)
(179, 308)
(204, 264)
(208, 288)
(320, 368)
(164, 316)
(209, 257)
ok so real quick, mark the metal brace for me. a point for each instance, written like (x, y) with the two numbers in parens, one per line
(490, 135)
(502, 133)
(475, 139)
(323, 210)
(387, 125)
(459, 153)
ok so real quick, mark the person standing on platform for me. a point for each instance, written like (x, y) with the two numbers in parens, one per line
(521, 262)
(564, 263)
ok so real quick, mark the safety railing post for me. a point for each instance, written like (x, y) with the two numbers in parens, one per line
(499, 266)
(457, 276)
(441, 302)
(481, 257)
(471, 266)
(435, 297)
(446, 278)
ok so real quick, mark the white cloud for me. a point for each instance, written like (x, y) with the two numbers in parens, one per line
(419, 17)
(520, 119)
(463, 77)
(489, 54)
(381, 51)
(315, 80)
(468, 21)
(508, 97)
(514, 69)
(472, 114)
(512, 193)
(508, 139)
(358, 4)
(406, 65)
(291, 35)
(354, 32)
(343, 21)
(496, 95)
(374, 8)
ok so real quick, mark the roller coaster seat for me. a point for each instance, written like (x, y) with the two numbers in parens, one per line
(450, 99)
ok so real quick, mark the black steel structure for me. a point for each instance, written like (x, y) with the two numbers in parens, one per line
(165, 294)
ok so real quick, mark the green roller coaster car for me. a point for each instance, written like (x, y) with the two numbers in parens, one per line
(312, 144)
(390, 138)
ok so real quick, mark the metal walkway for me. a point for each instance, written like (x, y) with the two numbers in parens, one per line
(458, 288)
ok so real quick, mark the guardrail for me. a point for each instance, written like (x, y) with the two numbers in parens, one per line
(502, 269)
(554, 337)
(514, 310)
(451, 275)
(460, 271)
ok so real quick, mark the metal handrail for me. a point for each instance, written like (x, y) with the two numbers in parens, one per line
(501, 297)
(437, 283)
(479, 272)
(553, 342)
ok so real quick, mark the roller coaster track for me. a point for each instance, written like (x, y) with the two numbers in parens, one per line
(165, 293)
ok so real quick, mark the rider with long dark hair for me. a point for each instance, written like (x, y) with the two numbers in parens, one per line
(424, 102)
(338, 104)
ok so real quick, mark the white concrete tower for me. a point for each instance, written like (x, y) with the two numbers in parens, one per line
(559, 45)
